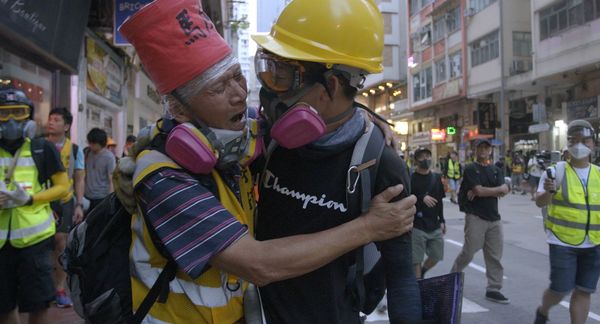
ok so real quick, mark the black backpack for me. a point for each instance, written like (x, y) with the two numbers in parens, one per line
(96, 260)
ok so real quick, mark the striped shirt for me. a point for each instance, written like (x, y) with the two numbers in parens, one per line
(188, 219)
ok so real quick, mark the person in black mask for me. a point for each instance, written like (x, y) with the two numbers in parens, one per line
(429, 225)
(26, 221)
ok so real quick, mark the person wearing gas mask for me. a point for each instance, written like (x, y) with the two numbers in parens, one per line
(27, 224)
(483, 183)
(570, 192)
(429, 226)
(311, 66)
(193, 189)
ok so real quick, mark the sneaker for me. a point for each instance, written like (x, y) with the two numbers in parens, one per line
(539, 318)
(62, 300)
(497, 297)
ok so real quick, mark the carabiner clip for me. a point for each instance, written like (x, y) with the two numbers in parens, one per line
(351, 187)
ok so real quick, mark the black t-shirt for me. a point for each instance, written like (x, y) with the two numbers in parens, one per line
(428, 219)
(52, 162)
(303, 194)
(487, 176)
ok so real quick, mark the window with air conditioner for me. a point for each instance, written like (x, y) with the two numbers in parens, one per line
(522, 44)
(478, 5)
(422, 84)
(455, 64)
(440, 71)
(566, 14)
(485, 49)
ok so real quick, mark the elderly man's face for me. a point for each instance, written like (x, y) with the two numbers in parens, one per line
(222, 103)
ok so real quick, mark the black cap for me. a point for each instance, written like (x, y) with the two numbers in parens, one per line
(420, 151)
(480, 141)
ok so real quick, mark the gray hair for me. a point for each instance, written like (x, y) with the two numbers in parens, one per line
(190, 89)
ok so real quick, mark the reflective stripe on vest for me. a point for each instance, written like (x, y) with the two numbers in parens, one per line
(453, 169)
(26, 225)
(206, 299)
(571, 214)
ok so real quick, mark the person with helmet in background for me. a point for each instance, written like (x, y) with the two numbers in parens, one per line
(69, 209)
(572, 225)
(193, 189)
(316, 57)
(26, 221)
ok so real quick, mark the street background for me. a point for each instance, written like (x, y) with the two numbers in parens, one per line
(526, 268)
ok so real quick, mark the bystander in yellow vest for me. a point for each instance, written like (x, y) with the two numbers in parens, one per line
(574, 213)
(26, 225)
(214, 297)
(453, 170)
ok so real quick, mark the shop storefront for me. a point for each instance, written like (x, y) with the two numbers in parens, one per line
(39, 52)
(105, 91)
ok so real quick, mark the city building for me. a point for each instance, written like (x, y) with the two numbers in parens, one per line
(386, 93)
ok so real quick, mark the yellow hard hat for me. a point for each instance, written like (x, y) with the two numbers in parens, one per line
(346, 32)
(110, 142)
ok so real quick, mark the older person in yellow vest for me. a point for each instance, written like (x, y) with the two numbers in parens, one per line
(26, 222)
(193, 187)
(571, 192)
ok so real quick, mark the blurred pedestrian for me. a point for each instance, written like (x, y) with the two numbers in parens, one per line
(129, 142)
(535, 172)
(517, 167)
(483, 184)
(429, 226)
(454, 174)
(69, 209)
(100, 163)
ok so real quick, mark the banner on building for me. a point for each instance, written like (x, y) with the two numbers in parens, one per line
(582, 109)
(124, 9)
(104, 71)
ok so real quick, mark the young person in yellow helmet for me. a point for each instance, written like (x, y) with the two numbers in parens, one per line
(193, 187)
(26, 221)
(572, 225)
(311, 66)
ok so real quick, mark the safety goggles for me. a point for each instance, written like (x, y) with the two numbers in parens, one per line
(16, 112)
(278, 74)
(580, 135)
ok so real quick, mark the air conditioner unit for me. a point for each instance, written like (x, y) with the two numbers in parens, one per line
(520, 66)
(469, 12)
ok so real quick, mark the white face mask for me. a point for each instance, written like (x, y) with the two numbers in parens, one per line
(579, 151)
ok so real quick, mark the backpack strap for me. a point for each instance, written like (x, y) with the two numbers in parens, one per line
(159, 290)
(37, 154)
(360, 185)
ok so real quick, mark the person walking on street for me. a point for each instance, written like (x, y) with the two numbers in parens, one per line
(27, 226)
(535, 172)
(194, 190)
(517, 167)
(482, 186)
(429, 227)
(129, 142)
(100, 164)
(572, 225)
(69, 210)
(454, 174)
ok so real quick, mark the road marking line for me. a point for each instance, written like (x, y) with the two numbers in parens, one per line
(472, 265)
(469, 306)
(591, 315)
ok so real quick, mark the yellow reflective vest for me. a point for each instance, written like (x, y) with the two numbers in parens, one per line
(26, 225)
(575, 210)
(453, 170)
(214, 297)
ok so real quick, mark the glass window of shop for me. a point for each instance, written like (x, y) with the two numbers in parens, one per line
(34, 80)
